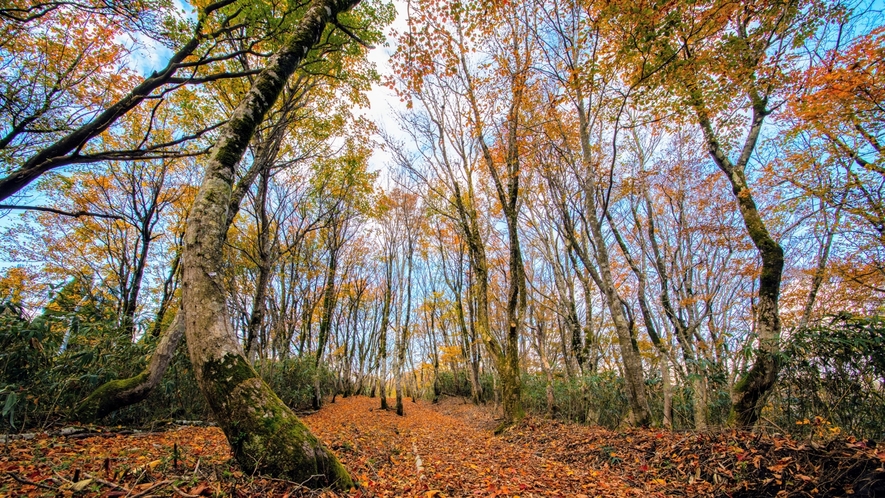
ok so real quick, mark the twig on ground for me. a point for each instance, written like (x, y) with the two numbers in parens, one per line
(62, 478)
(298, 485)
(182, 493)
(152, 488)
(109, 484)
(32, 483)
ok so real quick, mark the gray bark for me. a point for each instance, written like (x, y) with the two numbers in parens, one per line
(265, 436)
(750, 392)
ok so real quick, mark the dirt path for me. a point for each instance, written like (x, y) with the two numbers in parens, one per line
(450, 449)
(432, 451)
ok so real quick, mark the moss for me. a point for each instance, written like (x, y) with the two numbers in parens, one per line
(112, 396)
(224, 375)
(751, 390)
(266, 437)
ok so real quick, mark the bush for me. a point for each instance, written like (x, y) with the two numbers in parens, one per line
(53, 361)
(596, 399)
(50, 363)
(833, 375)
(292, 380)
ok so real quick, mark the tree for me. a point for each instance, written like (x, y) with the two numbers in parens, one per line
(460, 102)
(750, 51)
(833, 150)
(40, 147)
(264, 434)
(575, 46)
(351, 187)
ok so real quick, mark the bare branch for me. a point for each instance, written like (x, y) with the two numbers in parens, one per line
(72, 214)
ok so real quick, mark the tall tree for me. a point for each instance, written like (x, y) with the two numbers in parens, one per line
(263, 432)
(735, 57)
(458, 100)
(575, 47)
(48, 131)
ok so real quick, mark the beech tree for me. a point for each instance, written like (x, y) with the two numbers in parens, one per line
(495, 137)
(264, 433)
(45, 132)
(749, 49)
(574, 47)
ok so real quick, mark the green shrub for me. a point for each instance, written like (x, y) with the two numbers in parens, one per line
(833, 374)
(292, 380)
(597, 399)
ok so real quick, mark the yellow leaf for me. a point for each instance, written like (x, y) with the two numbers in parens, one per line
(81, 485)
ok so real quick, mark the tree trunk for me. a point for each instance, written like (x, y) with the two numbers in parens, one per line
(546, 369)
(668, 392)
(821, 270)
(398, 388)
(699, 400)
(683, 330)
(265, 264)
(264, 434)
(121, 393)
(434, 348)
(749, 393)
(404, 336)
(382, 339)
(326, 320)
(169, 286)
(468, 336)
(118, 394)
(630, 359)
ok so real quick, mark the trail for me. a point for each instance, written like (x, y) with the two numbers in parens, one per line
(455, 450)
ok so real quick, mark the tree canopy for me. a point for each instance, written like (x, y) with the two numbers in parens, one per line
(649, 213)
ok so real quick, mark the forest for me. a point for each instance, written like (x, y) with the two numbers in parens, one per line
(348, 247)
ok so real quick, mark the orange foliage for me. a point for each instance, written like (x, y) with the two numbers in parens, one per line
(444, 450)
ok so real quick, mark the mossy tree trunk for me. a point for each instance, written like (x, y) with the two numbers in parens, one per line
(748, 395)
(121, 393)
(506, 178)
(266, 437)
(504, 357)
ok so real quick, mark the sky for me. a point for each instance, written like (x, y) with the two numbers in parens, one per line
(383, 102)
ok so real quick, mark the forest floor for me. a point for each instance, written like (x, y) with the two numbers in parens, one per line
(447, 449)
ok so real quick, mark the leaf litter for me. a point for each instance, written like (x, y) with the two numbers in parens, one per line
(448, 450)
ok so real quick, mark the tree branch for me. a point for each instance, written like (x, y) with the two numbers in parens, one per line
(73, 214)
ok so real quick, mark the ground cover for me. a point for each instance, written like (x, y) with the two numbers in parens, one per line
(446, 450)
